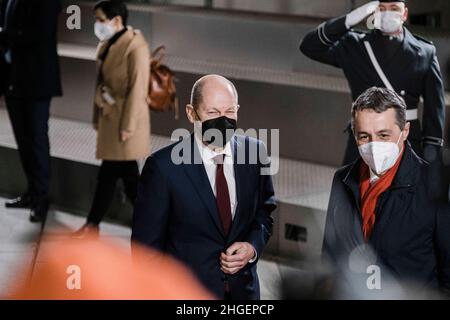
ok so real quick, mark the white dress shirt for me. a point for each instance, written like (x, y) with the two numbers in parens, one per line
(373, 177)
(208, 156)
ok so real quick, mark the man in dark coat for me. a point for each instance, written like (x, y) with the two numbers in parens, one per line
(408, 63)
(30, 78)
(380, 215)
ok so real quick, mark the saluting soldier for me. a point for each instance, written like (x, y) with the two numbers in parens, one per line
(388, 56)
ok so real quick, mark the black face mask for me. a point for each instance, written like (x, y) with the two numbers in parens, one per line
(223, 125)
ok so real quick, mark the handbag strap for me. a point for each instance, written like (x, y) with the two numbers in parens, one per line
(158, 54)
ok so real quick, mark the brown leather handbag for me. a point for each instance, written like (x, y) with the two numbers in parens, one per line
(162, 92)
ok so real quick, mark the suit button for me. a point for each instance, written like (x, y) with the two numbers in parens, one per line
(403, 92)
(11, 88)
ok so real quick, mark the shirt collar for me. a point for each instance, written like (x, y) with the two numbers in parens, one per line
(373, 177)
(208, 154)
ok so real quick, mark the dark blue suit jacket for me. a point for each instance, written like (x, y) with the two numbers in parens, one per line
(176, 212)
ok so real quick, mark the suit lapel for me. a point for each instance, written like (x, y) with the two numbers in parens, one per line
(197, 174)
(239, 174)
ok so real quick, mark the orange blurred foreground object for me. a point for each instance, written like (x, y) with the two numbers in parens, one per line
(99, 270)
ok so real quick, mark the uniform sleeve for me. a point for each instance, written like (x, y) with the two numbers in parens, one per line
(138, 75)
(434, 104)
(321, 44)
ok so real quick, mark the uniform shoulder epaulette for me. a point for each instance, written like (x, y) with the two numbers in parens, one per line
(423, 39)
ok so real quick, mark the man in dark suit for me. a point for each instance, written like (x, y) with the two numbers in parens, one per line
(409, 65)
(381, 215)
(28, 48)
(207, 200)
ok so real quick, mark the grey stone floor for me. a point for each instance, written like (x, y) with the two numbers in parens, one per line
(20, 246)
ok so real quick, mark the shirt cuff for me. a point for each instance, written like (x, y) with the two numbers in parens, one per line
(255, 257)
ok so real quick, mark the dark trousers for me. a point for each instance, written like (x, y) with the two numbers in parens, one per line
(29, 119)
(110, 172)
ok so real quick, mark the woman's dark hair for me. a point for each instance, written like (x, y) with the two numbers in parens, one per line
(113, 8)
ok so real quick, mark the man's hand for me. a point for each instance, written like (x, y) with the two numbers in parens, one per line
(236, 257)
(359, 14)
(125, 135)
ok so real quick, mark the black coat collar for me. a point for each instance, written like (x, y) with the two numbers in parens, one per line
(410, 42)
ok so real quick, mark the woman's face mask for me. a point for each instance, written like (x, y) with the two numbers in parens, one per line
(380, 156)
(104, 30)
(388, 21)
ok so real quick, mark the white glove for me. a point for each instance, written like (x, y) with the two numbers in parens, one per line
(359, 14)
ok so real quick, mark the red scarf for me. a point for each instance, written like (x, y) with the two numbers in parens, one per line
(370, 193)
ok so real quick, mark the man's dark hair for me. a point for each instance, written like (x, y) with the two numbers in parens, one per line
(380, 100)
(113, 8)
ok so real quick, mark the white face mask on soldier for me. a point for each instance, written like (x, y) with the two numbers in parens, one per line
(104, 31)
(380, 156)
(388, 21)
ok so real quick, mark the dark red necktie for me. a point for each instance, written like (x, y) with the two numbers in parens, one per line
(222, 195)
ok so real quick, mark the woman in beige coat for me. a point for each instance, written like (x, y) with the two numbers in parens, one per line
(121, 114)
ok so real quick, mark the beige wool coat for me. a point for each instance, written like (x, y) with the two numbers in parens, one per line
(125, 79)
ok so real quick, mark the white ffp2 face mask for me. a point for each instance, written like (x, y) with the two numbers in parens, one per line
(104, 31)
(380, 156)
(388, 21)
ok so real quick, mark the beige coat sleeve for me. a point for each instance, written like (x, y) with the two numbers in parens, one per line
(138, 75)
